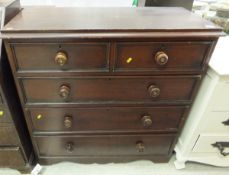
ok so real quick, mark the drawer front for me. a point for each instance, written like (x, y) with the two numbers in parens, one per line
(166, 56)
(218, 122)
(211, 144)
(104, 145)
(109, 90)
(79, 57)
(4, 115)
(11, 157)
(8, 135)
(107, 119)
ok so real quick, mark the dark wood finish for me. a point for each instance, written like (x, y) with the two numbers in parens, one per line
(4, 115)
(111, 145)
(81, 57)
(91, 159)
(11, 8)
(107, 19)
(1, 100)
(38, 57)
(8, 135)
(15, 145)
(108, 89)
(143, 56)
(112, 119)
(111, 68)
(126, 97)
(11, 157)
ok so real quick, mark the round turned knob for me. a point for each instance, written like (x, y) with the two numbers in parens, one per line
(64, 91)
(161, 58)
(61, 58)
(147, 121)
(140, 146)
(154, 91)
(68, 121)
(69, 146)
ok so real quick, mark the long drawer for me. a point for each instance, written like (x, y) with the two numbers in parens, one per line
(106, 145)
(163, 56)
(213, 144)
(218, 122)
(11, 157)
(80, 57)
(113, 119)
(4, 115)
(8, 135)
(109, 89)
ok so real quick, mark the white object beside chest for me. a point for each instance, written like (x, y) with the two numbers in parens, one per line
(205, 137)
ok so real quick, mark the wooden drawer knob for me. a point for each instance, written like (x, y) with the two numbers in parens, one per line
(161, 58)
(140, 146)
(147, 121)
(154, 91)
(61, 58)
(64, 91)
(69, 147)
(67, 121)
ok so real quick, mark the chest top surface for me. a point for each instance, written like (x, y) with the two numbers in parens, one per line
(45, 20)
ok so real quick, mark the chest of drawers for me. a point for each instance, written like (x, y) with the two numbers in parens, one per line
(107, 84)
(15, 146)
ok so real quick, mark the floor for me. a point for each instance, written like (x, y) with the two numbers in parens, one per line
(133, 168)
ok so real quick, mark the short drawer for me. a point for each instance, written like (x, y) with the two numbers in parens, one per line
(11, 157)
(79, 57)
(218, 122)
(107, 90)
(8, 135)
(113, 119)
(163, 56)
(106, 145)
(213, 144)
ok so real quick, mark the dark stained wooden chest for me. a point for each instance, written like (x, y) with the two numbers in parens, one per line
(107, 84)
(15, 145)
